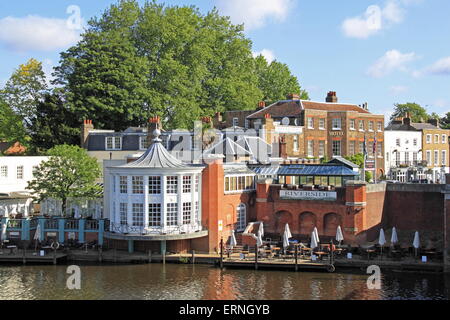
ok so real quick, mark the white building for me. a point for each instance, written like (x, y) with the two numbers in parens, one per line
(156, 194)
(15, 173)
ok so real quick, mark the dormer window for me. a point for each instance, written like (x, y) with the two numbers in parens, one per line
(113, 143)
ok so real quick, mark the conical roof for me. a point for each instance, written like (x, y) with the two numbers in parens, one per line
(156, 156)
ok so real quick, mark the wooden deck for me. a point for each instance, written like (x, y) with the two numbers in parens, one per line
(30, 258)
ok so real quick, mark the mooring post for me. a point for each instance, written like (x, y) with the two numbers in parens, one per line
(115, 255)
(296, 258)
(100, 252)
(149, 256)
(256, 257)
(193, 257)
(24, 255)
(221, 253)
(164, 256)
(332, 252)
(54, 256)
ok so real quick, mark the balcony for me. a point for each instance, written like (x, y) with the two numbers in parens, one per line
(407, 164)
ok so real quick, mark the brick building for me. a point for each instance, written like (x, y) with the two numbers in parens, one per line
(317, 129)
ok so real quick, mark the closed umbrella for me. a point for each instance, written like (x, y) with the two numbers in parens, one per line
(37, 235)
(3, 234)
(416, 242)
(287, 230)
(285, 241)
(339, 235)
(261, 229)
(259, 241)
(382, 241)
(314, 243)
(317, 235)
(394, 238)
(233, 242)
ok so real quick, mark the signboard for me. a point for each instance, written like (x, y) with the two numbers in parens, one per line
(336, 133)
(71, 236)
(288, 129)
(14, 234)
(370, 164)
(308, 195)
(51, 234)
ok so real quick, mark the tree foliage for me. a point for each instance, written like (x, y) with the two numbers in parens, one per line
(175, 62)
(69, 173)
(24, 89)
(445, 121)
(357, 159)
(417, 113)
(11, 126)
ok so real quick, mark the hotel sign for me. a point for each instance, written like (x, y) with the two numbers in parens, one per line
(308, 195)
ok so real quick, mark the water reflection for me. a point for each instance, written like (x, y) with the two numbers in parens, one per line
(157, 281)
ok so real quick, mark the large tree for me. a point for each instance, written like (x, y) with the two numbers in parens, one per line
(276, 81)
(11, 126)
(24, 89)
(175, 62)
(53, 124)
(69, 173)
(416, 112)
(445, 121)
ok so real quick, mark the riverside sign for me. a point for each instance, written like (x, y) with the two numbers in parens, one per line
(308, 195)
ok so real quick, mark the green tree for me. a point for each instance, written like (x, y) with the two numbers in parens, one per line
(53, 124)
(445, 121)
(24, 89)
(11, 126)
(357, 159)
(69, 173)
(417, 113)
(369, 176)
(276, 81)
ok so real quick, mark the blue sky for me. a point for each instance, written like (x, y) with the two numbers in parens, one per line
(380, 52)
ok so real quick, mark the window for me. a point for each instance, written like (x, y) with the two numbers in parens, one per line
(295, 146)
(361, 147)
(322, 123)
(310, 123)
(138, 214)
(380, 126)
(415, 142)
(352, 124)
(113, 143)
(186, 184)
(370, 125)
(321, 149)
(154, 185)
(406, 157)
(336, 124)
(196, 212)
(137, 183)
(361, 125)
(352, 148)
(123, 184)
(239, 183)
(4, 172)
(436, 138)
(379, 149)
(444, 138)
(187, 210)
(154, 214)
(172, 214)
(436, 157)
(123, 213)
(428, 138)
(20, 172)
(235, 122)
(143, 142)
(397, 158)
(197, 182)
(397, 142)
(429, 163)
(336, 147)
(415, 158)
(172, 184)
(310, 148)
(444, 158)
(246, 124)
(241, 213)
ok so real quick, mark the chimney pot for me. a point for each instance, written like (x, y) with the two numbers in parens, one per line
(261, 104)
(331, 97)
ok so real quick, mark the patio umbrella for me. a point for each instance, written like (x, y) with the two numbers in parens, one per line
(394, 238)
(37, 235)
(261, 229)
(416, 242)
(3, 234)
(285, 241)
(313, 244)
(232, 240)
(287, 230)
(259, 241)
(339, 235)
(316, 235)
(382, 241)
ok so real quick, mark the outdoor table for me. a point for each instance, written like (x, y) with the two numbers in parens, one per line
(47, 249)
(320, 254)
(430, 254)
(11, 249)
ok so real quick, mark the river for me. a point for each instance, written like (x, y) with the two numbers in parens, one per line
(179, 282)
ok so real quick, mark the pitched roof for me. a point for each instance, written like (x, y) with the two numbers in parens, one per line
(344, 161)
(293, 108)
(228, 147)
(421, 126)
(315, 170)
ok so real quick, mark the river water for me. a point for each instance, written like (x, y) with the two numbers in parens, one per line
(179, 282)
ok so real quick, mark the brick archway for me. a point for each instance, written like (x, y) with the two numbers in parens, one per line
(330, 223)
(307, 221)
(281, 218)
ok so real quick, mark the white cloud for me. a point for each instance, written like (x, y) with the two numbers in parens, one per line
(266, 53)
(440, 67)
(391, 61)
(37, 33)
(254, 13)
(398, 89)
(441, 103)
(375, 18)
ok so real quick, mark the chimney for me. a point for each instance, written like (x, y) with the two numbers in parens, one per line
(85, 128)
(206, 119)
(283, 148)
(293, 96)
(217, 121)
(407, 119)
(153, 124)
(331, 97)
(261, 105)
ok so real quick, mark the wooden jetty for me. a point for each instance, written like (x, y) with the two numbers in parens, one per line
(31, 258)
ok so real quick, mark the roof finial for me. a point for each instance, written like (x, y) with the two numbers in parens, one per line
(156, 134)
